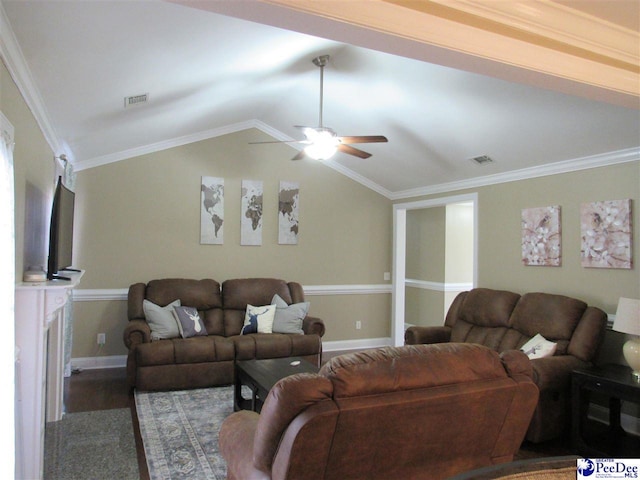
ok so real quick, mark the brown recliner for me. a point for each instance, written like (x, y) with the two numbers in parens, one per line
(503, 320)
(413, 412)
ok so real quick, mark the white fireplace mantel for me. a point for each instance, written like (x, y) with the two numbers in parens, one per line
(39, 326)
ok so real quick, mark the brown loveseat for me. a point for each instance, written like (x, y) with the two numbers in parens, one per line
(205, 361)
(504, 320)
(419, 412)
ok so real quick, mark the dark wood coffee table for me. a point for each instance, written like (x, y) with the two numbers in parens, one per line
(261, 375)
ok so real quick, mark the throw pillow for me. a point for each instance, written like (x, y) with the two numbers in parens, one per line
(161, 320)
(189, 322)
(258, 319)
(539, 347)
(289, 318)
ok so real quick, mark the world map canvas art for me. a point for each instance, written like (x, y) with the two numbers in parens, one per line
(212, 211)
(251, 212)
(288, 211)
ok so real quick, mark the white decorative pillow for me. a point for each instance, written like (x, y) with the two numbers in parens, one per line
(259, 319)
(289, 318)
(161, 320)
(539, 347)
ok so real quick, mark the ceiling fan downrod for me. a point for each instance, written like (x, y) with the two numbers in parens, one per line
(321, 61)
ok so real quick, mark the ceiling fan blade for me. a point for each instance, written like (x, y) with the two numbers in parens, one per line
(353, 151)
(363, 139)
(299, 156)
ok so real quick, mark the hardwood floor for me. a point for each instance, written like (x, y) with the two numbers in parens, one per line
(91, 390)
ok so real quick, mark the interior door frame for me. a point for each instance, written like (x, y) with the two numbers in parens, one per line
(400, 254)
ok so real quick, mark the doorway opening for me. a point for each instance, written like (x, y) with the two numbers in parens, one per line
(401, 250)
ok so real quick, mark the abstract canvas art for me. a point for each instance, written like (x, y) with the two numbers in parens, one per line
(251, 212)
(606, 234)
(288, 209)
(212, 211)
(541, 236)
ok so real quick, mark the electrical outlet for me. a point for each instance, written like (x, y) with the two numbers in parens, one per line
(358, 324)
(102, 339)
(387, 276)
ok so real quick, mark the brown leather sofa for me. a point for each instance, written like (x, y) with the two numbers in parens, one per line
(206, 361)
(503, 320)
(419, 412)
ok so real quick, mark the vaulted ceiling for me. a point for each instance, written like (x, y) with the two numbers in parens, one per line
(539, 87)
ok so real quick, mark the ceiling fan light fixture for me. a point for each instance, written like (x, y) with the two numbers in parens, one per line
(323, 143)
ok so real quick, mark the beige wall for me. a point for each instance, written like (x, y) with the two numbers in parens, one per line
(33, 177)
(426, 237)
(425, 261)
(139, 219)
(459, 243)
(500, 264)
(499, 230)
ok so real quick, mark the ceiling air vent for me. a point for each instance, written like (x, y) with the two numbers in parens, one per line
(482, 159)
(136, 100)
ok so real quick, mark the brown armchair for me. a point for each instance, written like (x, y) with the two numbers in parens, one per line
(424, 411)
(503, 320)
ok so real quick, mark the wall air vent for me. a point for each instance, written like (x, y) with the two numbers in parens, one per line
(136, 100)
(482, 159)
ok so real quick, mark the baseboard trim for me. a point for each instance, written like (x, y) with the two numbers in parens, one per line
(359, 344)
(94, 363)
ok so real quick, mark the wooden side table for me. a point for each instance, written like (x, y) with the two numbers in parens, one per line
(616, 382)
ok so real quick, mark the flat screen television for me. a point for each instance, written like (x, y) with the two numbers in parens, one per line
(61, 233)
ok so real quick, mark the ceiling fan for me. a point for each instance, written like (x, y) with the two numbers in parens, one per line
(323, 142)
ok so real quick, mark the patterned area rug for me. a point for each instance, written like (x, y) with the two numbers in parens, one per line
(179, 432)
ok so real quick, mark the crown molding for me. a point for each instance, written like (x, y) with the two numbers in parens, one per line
(13, 58)
(218, 132)
(601, 160)
(6, 129)
(166, 144)
(584, 163)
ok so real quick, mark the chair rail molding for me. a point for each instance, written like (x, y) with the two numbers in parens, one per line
(101, 294)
